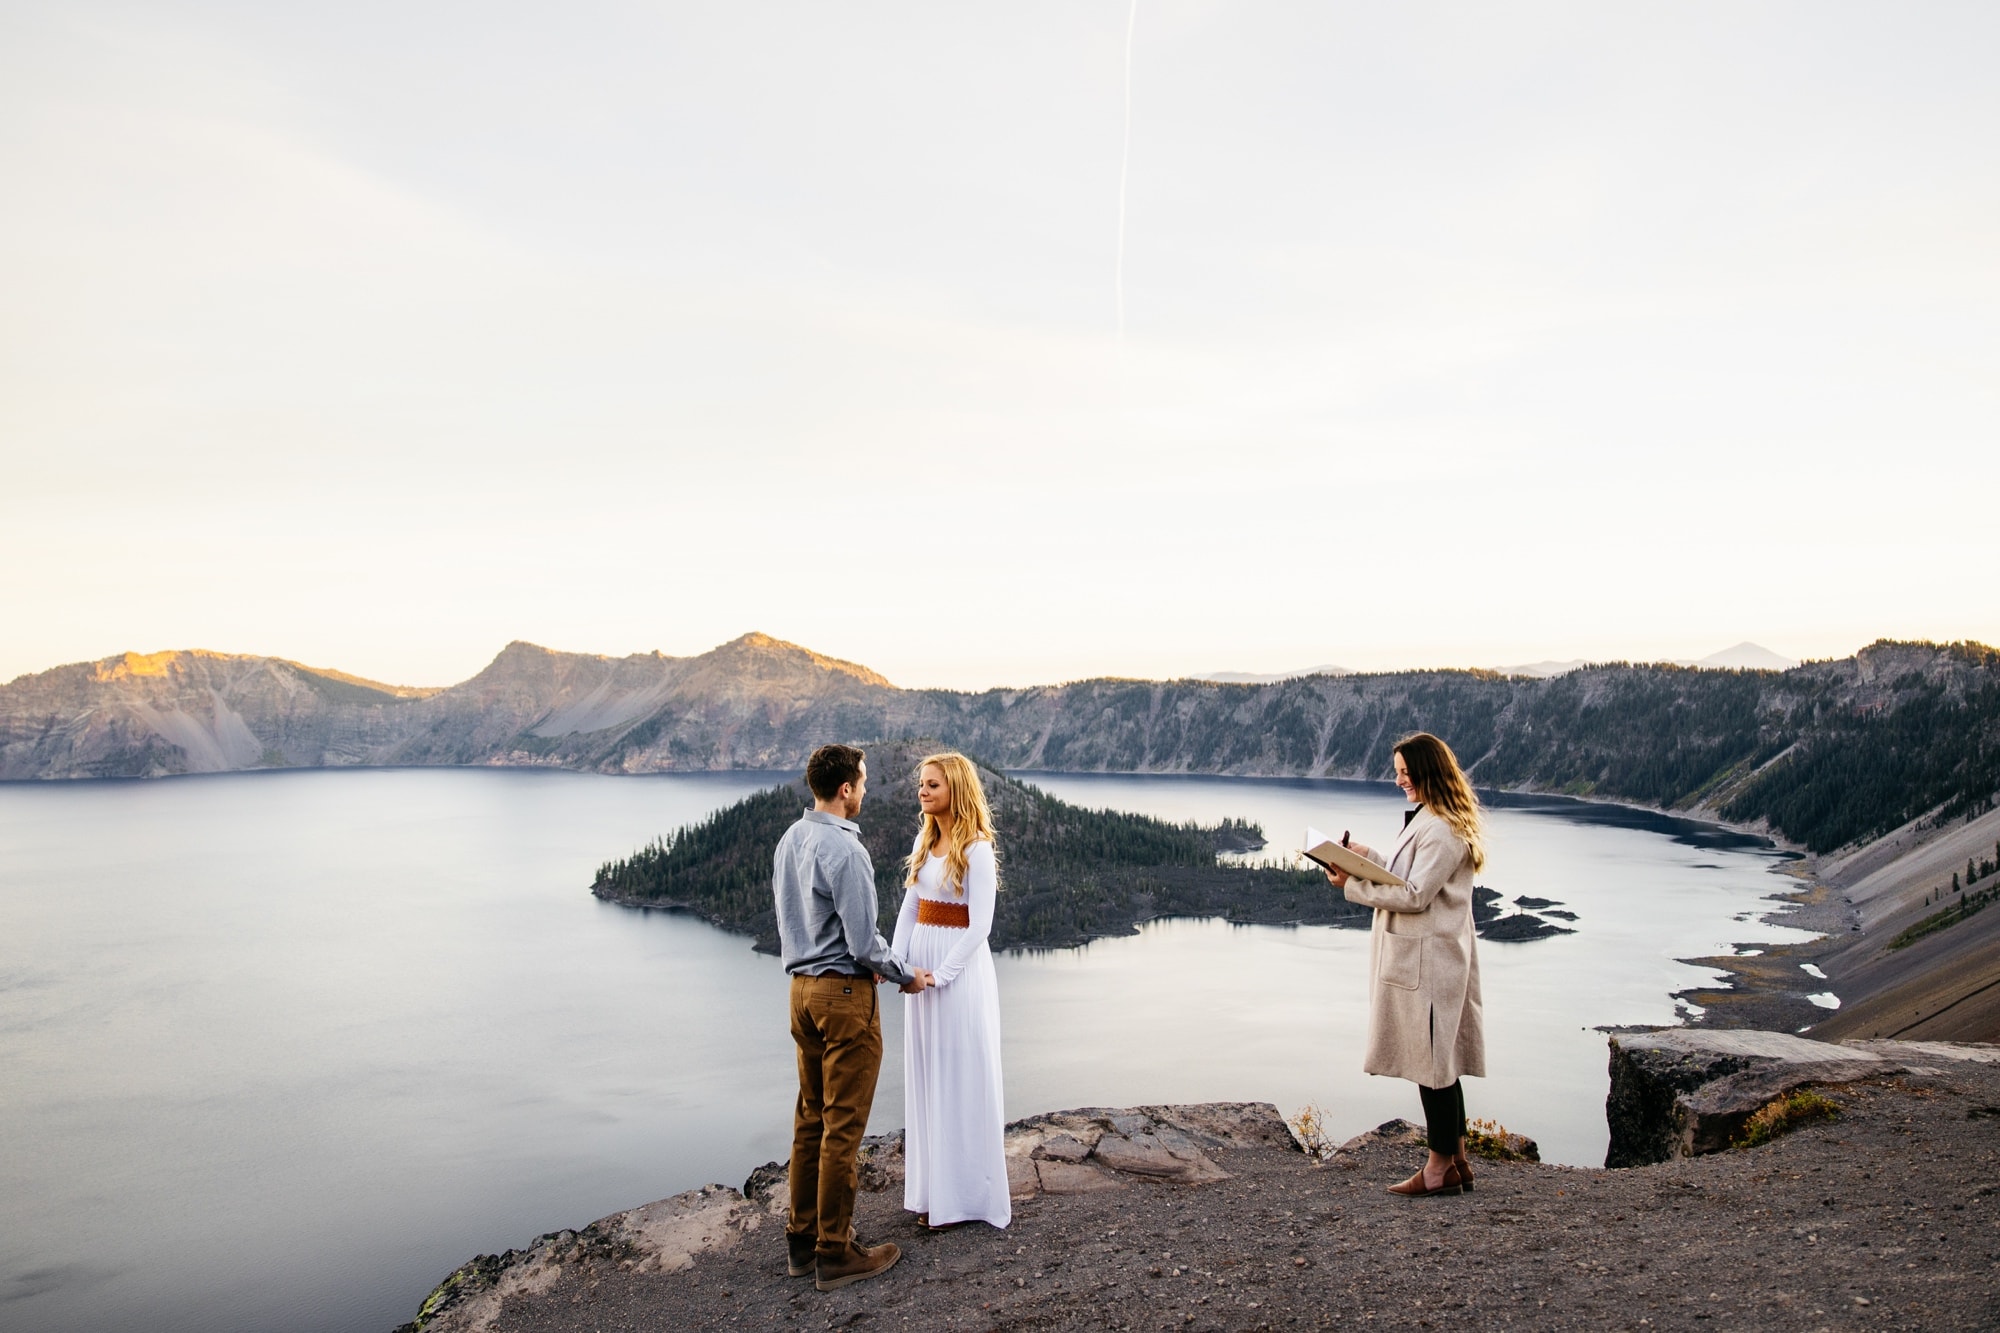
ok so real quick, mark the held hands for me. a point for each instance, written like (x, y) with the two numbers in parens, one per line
(920, 980)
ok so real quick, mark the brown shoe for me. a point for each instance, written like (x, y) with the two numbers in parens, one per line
(800, 1248)
(855, 1263)
(1463, 1166)
(1414, 1187)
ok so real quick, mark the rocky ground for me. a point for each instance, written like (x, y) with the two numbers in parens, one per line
(1882, 1219)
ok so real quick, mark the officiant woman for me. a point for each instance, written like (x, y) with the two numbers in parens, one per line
(1424, 1020)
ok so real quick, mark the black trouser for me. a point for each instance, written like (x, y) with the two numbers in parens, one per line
(1444, 1116)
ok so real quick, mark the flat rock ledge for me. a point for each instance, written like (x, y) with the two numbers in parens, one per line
(1086, 1151)
(1684, 1092)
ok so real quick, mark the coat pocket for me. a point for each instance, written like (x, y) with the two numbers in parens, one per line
(1402, 961)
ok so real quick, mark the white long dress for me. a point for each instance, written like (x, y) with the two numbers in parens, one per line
(955, 1165)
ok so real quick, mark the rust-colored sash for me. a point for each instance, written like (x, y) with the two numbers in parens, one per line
(931, 912)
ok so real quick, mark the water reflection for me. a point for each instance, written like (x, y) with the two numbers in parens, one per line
(1278, 1015)
(282, 1049)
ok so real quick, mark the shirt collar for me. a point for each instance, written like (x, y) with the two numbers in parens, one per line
(822, 817)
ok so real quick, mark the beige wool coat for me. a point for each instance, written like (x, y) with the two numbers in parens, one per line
(1425, 1023)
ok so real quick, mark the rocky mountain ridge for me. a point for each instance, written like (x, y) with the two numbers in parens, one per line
(1826, 754)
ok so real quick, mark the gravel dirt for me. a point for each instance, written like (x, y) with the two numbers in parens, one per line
(1882, 1219)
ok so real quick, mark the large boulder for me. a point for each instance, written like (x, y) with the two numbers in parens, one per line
(1680, 1092)
(1095, 1148)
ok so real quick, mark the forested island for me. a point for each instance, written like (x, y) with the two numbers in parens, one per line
(1068, 875)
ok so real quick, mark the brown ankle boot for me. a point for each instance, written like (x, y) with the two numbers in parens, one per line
(799, 1253)
(855, 1263)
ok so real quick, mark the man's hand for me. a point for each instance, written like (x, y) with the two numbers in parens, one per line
(919, 981)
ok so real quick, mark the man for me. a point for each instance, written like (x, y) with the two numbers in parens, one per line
(824, 884)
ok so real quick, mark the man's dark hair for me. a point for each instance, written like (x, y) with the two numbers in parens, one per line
(830, 767)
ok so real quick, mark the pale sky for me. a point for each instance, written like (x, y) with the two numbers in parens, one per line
(377, 335)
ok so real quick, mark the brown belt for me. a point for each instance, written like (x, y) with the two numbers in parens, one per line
(931, 912)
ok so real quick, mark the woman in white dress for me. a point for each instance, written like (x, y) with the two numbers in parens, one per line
(955, 1167)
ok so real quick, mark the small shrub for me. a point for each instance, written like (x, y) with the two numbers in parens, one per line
(1785, 1115)
(1309, 1128)
(1497, 1143)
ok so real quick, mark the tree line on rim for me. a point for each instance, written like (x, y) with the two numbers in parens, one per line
(1828, 754)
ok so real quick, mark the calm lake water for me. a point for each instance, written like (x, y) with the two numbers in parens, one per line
(280, 1050)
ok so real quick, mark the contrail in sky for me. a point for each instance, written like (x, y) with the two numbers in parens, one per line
(1125, 165)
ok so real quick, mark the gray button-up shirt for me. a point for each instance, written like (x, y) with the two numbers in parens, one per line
(825, 889)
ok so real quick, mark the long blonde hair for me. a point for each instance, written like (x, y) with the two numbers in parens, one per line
(971, 820)
(1435, 773)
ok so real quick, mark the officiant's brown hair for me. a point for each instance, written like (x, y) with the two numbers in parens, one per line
(1441, 784)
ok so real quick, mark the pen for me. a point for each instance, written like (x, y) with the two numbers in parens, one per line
(1343, 837)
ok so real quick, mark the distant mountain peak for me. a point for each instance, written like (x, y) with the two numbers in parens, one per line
(763, 644)
(128, 665)
(516, 654)
(131, 666)
(521, 656)
(1745, 656)
(1270, 678)
(517, 648)
(1543, 670)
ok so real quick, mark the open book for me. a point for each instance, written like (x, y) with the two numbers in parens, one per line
(1329, 853)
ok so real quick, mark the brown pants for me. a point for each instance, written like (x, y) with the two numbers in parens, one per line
(837, 1026)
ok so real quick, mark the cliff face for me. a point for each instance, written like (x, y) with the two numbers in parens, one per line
(193, 712)
(754, 702)
(527, 701)
(1829, 753)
